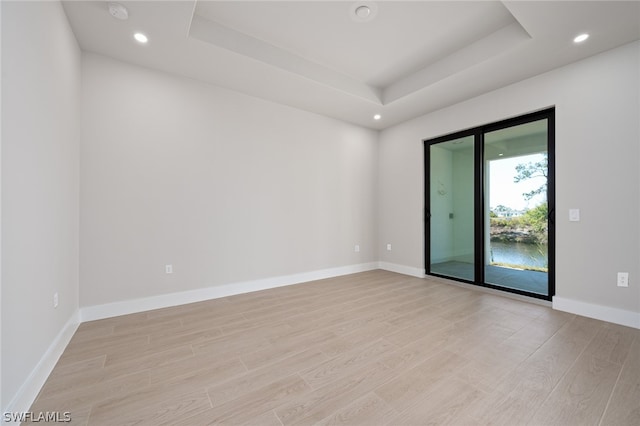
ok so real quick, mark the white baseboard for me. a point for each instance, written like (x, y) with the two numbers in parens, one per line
(402, 269)
(29, 390)
(604, 313)
(125, 307)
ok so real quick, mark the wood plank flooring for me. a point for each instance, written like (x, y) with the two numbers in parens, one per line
(375, 348)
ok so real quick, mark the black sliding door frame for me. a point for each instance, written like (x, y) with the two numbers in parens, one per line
(477, 181)
(479, 199)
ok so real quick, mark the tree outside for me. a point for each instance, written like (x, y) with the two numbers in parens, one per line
(529, 226)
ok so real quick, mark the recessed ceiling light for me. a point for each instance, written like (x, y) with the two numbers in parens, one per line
(141, 38)
(377, 117)
(581, 38)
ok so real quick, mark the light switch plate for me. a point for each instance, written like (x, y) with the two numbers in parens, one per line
(574, 215)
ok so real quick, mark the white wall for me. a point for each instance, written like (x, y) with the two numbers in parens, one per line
(224, 187)
(40, 189)
(597, 150)
(2, 405)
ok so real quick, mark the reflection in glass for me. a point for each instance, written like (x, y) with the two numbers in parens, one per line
(451, 190)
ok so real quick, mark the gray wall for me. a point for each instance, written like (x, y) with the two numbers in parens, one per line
(222, 186)
(40, 170)
(597, 149)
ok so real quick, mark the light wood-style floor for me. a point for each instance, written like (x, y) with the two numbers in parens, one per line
(375, 348)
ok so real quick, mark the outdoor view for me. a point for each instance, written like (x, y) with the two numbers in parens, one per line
(517, 244)
(518, 213)
(514, 234)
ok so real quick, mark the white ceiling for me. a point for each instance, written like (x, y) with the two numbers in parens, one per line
(406, 59)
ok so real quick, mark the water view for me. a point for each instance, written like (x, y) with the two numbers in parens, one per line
(519, 254)
(512, 219)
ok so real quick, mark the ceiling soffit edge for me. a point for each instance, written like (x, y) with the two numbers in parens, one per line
(219, 35)
(492, 45)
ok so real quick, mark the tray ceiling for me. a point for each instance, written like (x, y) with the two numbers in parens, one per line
(394, 58)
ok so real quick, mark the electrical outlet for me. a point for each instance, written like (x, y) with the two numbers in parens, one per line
(168, 269)
(623, 279)
(55, 300)
(356, 248)
(389, 247)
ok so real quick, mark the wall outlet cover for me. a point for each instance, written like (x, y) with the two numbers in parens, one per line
(623, 279)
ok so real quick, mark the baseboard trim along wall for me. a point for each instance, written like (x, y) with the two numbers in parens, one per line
(402, 269)
(31, 387)
(90, 313)
(125, 307)
(604, 313)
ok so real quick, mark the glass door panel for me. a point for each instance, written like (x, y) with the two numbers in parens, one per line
(516, 235)
(451, 208)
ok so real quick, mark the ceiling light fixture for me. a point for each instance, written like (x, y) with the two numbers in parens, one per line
(363, 11)
(377, 117)
(140, 38)
(581, 38)
(118, 11)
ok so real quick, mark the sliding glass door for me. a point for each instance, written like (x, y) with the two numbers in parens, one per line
(451, 224)
(516, 207)
(489, 205)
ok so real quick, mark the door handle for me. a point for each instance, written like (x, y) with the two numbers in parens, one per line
(551, 216)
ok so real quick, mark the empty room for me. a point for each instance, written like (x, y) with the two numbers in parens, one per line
(320, 212)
